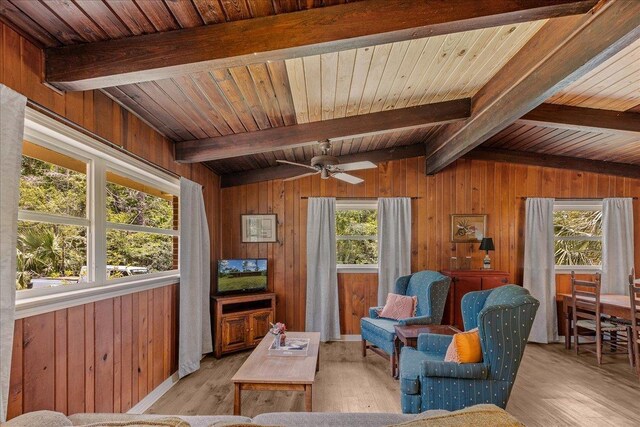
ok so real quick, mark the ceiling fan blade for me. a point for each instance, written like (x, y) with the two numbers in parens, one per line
(347, 178)
(297, 164)
(301, 176)
(355, 166)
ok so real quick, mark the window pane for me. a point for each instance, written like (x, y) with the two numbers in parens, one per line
(130, 202)
(357, 252)
(570, 223)
(578, 252)
(357, 222)
(50, 255)
(51, 182)
(135, 253)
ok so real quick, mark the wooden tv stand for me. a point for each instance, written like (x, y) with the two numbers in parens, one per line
(239, 322)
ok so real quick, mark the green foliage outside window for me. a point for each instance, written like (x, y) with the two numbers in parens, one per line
(578, 237)
(45, 187)
(357, 236)
(57, 251)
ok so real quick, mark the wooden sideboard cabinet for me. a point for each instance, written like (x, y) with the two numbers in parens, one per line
(463, 281)
(239, 322)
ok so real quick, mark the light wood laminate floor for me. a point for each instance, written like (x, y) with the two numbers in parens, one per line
(553, 388)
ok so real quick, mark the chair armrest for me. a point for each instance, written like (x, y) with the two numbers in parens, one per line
(418, 320)
(472, 371)
(434, 343)
(373, 312)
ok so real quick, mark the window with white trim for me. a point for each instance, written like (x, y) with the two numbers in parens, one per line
(357, 233)
(577, 226)
(90, 215)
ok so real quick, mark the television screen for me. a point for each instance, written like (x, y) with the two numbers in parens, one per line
(242, 275)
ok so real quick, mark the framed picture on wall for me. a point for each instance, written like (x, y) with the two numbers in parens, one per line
(259, 228)
(468, 228)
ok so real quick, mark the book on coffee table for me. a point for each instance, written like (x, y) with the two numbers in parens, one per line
(292, 347)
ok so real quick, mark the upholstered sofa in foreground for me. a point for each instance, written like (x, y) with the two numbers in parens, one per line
(504, 317)
(480, 415)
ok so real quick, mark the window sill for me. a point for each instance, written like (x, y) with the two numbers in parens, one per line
(578, 269)
(26, 307)
(370, 269)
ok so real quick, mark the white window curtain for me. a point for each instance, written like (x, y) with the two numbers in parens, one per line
(12, 106)
(617, 245)
(539, 268)
(394, 243)
(195, 279)
(322, 313)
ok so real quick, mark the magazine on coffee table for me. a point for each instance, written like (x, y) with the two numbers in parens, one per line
(292, 347)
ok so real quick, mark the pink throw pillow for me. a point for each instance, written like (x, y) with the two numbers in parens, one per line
(399, 307)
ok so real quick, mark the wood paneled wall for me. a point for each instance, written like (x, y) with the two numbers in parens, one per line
(108, 355)
(100, 357)
(496, 189)
(22, 70)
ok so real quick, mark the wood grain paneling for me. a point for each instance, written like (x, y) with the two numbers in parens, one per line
(61, 22)
(21, 70)
(470, 186)
(614, 85)
(104, 356)
(77, 359)
(603, 145)
(402, 74)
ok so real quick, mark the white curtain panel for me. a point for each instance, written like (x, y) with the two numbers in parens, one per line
(617, 245)
(322, 313)
(195, 279)
(394, 243)
(539, 268)
(12, 106)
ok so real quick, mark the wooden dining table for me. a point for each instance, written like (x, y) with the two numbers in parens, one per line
(611, 304)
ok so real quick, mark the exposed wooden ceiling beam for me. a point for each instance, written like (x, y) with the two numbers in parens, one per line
(559, 53)
(311, 32)
(280, 138)
(287, 171)
(583, 119)
(553, 161)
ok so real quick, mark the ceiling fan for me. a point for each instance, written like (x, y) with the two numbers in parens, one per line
(329, 166)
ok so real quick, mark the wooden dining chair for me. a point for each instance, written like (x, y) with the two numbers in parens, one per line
(634, 296)
(586, 313)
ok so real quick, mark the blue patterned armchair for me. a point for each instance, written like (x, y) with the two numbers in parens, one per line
(430, 287)
(504, 317)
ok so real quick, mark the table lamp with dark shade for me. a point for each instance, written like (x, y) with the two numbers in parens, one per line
(487, 245)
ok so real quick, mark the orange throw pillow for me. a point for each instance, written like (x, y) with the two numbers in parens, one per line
(465, 347)
(399, 307)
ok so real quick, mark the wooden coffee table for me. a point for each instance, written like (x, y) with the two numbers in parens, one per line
(408, 335)
(292, 373)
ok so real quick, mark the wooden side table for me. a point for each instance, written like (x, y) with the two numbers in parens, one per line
(408, 336)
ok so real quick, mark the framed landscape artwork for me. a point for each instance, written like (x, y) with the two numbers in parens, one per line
(468, 228)
(259, 228)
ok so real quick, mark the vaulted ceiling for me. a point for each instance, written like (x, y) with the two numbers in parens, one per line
(208, 103)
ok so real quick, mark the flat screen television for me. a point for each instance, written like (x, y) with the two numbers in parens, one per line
(242, 275)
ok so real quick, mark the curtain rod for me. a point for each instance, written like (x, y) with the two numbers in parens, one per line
(52, 114)
(359, 198)
(595, 199)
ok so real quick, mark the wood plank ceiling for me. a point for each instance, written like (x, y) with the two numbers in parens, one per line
(615, 86)
(332, 85)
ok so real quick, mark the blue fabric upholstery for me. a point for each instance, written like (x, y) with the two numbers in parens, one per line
(434, 343)
(504, 317)
(475, 371)
(410, 377)
(380, 332)
(430, 288)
